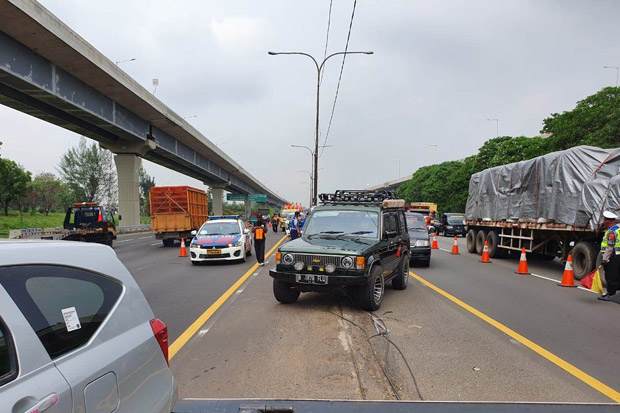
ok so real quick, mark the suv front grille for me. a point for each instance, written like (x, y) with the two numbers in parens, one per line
(318, 260)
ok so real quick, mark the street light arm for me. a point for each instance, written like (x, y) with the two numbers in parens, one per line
(339, 53)
(299, 53)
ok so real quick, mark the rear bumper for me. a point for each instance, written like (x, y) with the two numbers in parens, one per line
(332, 280)
(420, 253)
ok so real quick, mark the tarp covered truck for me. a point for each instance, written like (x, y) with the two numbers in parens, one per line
(551, 205)
(176, 211)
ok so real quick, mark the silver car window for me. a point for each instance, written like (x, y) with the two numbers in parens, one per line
(63, 305)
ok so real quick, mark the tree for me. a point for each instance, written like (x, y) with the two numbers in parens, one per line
(13, 183)
(594, 121)
(90, 173)
(507, 149)
(146, 183)
(46, 188)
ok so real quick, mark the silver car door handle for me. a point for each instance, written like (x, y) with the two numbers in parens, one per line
(44, 404)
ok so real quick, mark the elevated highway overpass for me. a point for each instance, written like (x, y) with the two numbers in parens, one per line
(50, 72)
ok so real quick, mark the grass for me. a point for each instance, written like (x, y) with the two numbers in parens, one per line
(54, 219)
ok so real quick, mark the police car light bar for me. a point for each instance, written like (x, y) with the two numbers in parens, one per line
(211, 217)
(357, 197)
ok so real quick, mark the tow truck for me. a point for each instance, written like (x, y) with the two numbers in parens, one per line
(84, 221)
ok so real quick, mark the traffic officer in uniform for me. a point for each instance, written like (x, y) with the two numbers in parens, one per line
(610, 246)
(260, 234)
(295, 226)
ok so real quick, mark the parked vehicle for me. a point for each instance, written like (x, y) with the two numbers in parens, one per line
(221, 238)
(355, 240)
(419, 243)
(84, 221)
(452, 224)
(176, 211)
(551, 205)
(77, 334)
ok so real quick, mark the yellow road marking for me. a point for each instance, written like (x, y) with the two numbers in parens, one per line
(569, 368)
(204, 317)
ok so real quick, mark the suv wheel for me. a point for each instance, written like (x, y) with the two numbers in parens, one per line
(370, 296)
(402, 279)
(283, 292)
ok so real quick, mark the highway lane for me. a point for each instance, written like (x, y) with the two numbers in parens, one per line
(312, 349)
(569, 322)
(177, 291)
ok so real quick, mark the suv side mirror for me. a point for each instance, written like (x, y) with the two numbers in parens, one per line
(194, 232)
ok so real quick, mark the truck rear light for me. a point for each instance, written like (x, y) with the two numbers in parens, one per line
(160, 331)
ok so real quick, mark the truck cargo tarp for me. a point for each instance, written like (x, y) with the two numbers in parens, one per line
(571, 187)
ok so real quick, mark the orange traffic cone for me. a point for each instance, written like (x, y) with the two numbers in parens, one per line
(523, 264)
(568, 279)
(183, 252)
(455, 246)
(485, 253)
(434, 245)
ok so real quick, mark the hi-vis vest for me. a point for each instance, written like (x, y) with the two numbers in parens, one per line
(611, 238)
(259, 233)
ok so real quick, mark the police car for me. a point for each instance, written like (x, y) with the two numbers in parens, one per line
(221, 238)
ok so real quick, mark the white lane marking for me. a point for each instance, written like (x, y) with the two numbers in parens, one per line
(558, 281)
(157, 243)
(149, 237)
(203, 332)
(445, 250)
(125, 240)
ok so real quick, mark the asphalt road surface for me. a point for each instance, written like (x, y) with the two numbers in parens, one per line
(542, 343)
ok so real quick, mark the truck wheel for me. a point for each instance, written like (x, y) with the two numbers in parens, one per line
(584, 258)
(168, 242)
(481, 236)
(370, 296)
(110, 240)
(494, 250)
(471, 241)
(284, 293)
(402, 279)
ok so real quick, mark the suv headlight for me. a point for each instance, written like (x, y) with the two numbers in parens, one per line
(330, 268)
(449, 226)
(288, 259)
(346, 262)
(421, 243)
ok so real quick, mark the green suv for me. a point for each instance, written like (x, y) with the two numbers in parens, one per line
(354, 241)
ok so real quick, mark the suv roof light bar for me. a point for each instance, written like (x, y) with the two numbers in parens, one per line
(359, 197)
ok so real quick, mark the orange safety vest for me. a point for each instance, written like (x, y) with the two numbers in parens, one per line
(258, 233)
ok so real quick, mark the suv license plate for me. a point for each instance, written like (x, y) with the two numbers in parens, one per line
(311, 279)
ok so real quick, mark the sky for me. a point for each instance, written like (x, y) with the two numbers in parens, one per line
(438, 72)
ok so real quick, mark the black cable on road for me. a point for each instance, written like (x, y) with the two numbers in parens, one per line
(344, 58)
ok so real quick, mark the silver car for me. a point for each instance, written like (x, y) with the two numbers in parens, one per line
(77, 334)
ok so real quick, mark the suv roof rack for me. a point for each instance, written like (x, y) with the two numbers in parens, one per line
(356, 197)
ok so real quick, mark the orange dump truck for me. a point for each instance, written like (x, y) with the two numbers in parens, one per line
(176, 211)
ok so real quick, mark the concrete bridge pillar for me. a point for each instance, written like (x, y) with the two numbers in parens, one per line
(128, 172)
(218, 199)
(248, 207)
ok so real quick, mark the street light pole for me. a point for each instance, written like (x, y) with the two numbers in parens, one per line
(496, 126)
(319, 69)
(312, 198)
(124, 61)
(617, 69)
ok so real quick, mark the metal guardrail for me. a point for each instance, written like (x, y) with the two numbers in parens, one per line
(134, 228)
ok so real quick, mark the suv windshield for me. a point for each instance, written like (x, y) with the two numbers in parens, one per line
(219, 228)
(343, 222)
(456, 220)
